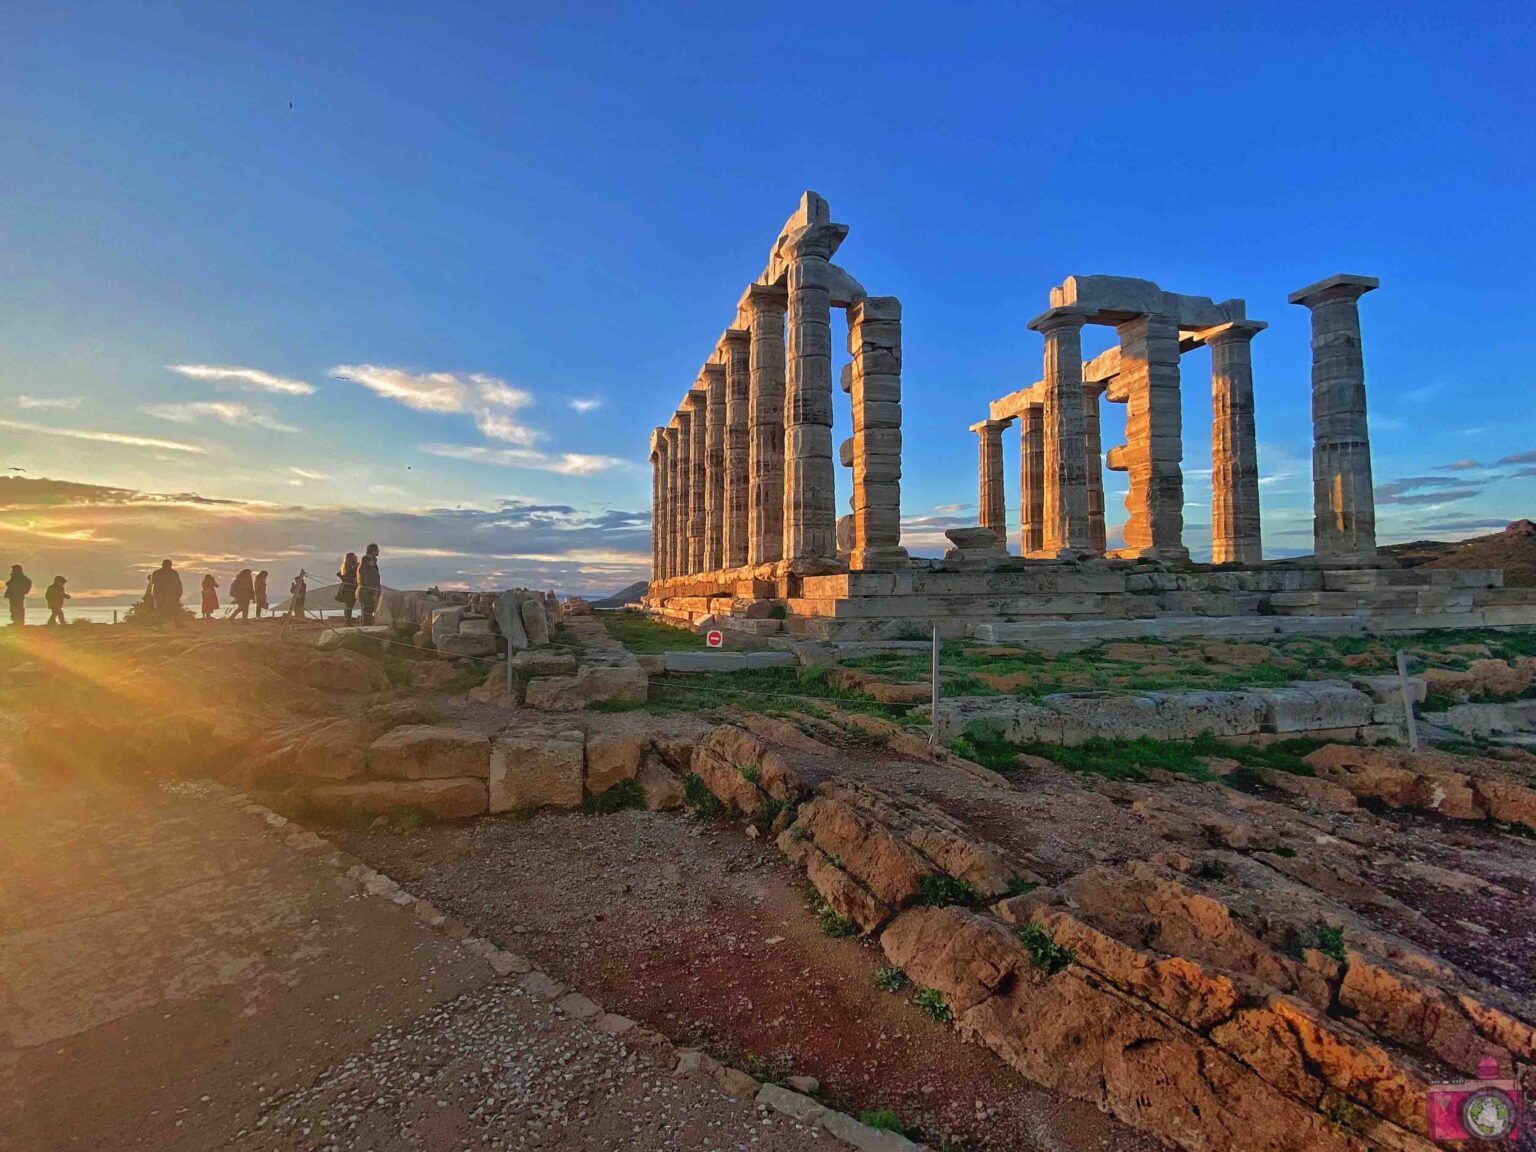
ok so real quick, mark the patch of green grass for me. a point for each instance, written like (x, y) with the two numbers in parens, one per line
(1125, 759)
(833, 924)
(699, 799)
(617, 706)
(930, 1002)
(767, 812)
(1330, 942)
(750, 772)
(1018, 886)
(937, 890)
(641, 634)
(889, 979)
(1285, 850)
(623, 795)
(885, 1119)
(1044, 952)
(1342, 1114)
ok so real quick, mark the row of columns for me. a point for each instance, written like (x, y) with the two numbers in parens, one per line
(743, 472)
(1061, 481)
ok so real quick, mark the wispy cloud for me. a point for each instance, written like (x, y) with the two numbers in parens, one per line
(101, 437)
(59, 403)
(229, 412)
(1518, 458)
(492, 401)
(1458, 466)
(585, 404)
(309, 474)
(1426, 490)
(566, 463)
(1423, 393)
(1461, 526)
(248, 379)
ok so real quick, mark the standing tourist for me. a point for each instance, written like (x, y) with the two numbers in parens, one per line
(55, 597)
(346, 593)
(369, 586)
(242, 592)
(165, 590)
(16, 589)
(297, 590)
(261, 593)
(210, 596)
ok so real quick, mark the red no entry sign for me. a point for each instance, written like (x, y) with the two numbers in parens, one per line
(715, 639)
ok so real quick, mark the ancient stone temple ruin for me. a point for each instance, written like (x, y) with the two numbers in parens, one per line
(745, 533)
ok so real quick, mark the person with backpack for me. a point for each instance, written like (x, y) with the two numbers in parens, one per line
(261, 592)
(16, 589)
(165, 584)
(346, 591)
(370, 589)
(242, 591)
(55, 597)
(297, 589)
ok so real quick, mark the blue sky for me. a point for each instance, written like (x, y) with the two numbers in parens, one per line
(536, 220)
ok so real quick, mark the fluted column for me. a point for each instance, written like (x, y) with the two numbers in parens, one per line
(989, 475)
(766, 306)
(658, 503)
(697, 404)
(1093, 465)
(714, 467)
(1154, 434)
(1031, 480)
(738, 400)
(810, 516)
(677, 505)
(874, 342)
(1343, 501)
(1065, 525)
(1234, 447)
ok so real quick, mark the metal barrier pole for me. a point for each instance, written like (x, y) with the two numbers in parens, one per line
(933, 731)
(1402, 681)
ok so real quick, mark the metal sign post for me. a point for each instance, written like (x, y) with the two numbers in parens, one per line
(1402, 680)
(933, 731)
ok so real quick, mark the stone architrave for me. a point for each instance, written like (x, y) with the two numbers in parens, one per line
(1343, 501)
(992, 496)
(1154, 448)
(1093, 465)
(874, 342)
(1031, 480)
(714, 467)
(810, 514)
(685, 491)
(658, 501)
(1234, 447)
(697, 403)
(765, 307)
(1065, 527)
(738, 399)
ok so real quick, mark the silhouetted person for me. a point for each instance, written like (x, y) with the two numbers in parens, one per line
(165, 584)
(369, 587)
(242, 591)
(261, 592)
(346, 593)
(210, 596)
(55, 597)
(16, 589)
(297, 589)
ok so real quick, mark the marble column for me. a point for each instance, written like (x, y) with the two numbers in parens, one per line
(992, 496)
(697, 406)
(714, 467)
(738, 398)
(1065, 519)
(676, 500)
(1031, 480)
(1234, 446)
(765, 307)
(658, 503)
(874, 342)
(810, 514)
(1093, 465)
(1154, 434)
(1343, 500)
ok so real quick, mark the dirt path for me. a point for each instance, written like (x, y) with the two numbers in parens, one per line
(175, 976)
(695, 930)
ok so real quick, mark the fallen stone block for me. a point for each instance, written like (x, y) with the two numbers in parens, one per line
(537, 771)
(462, 644)
(339, 751)
(592, 683)
(610, 760)
(544, 662)
(438, 799)
(445, 622)
(429, 751)
(660, 784)
(1316, 704)
(706, 661)
(370, 639)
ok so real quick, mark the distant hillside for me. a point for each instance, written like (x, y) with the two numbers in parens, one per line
(622, 597)
(1513, 550)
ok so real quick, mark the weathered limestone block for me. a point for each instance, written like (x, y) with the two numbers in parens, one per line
(842, 892)
(439, 799)
(591, 683)
(338, 671)
(736, 749)
(544, 662)
(537, 771)
(429, 751)
(660, 784)
(535, 622)
(338, 751)
(611, 760)
(1314, 705)
(1234, 446)
(509, 617)
(445, 622)
(475, 626)
(460, 644)
(889, 867)
(1065, 527)
(370, 639)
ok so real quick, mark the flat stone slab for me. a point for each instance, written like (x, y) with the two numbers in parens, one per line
(726, 661)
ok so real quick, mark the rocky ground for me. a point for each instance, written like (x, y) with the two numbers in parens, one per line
(1240, 947)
